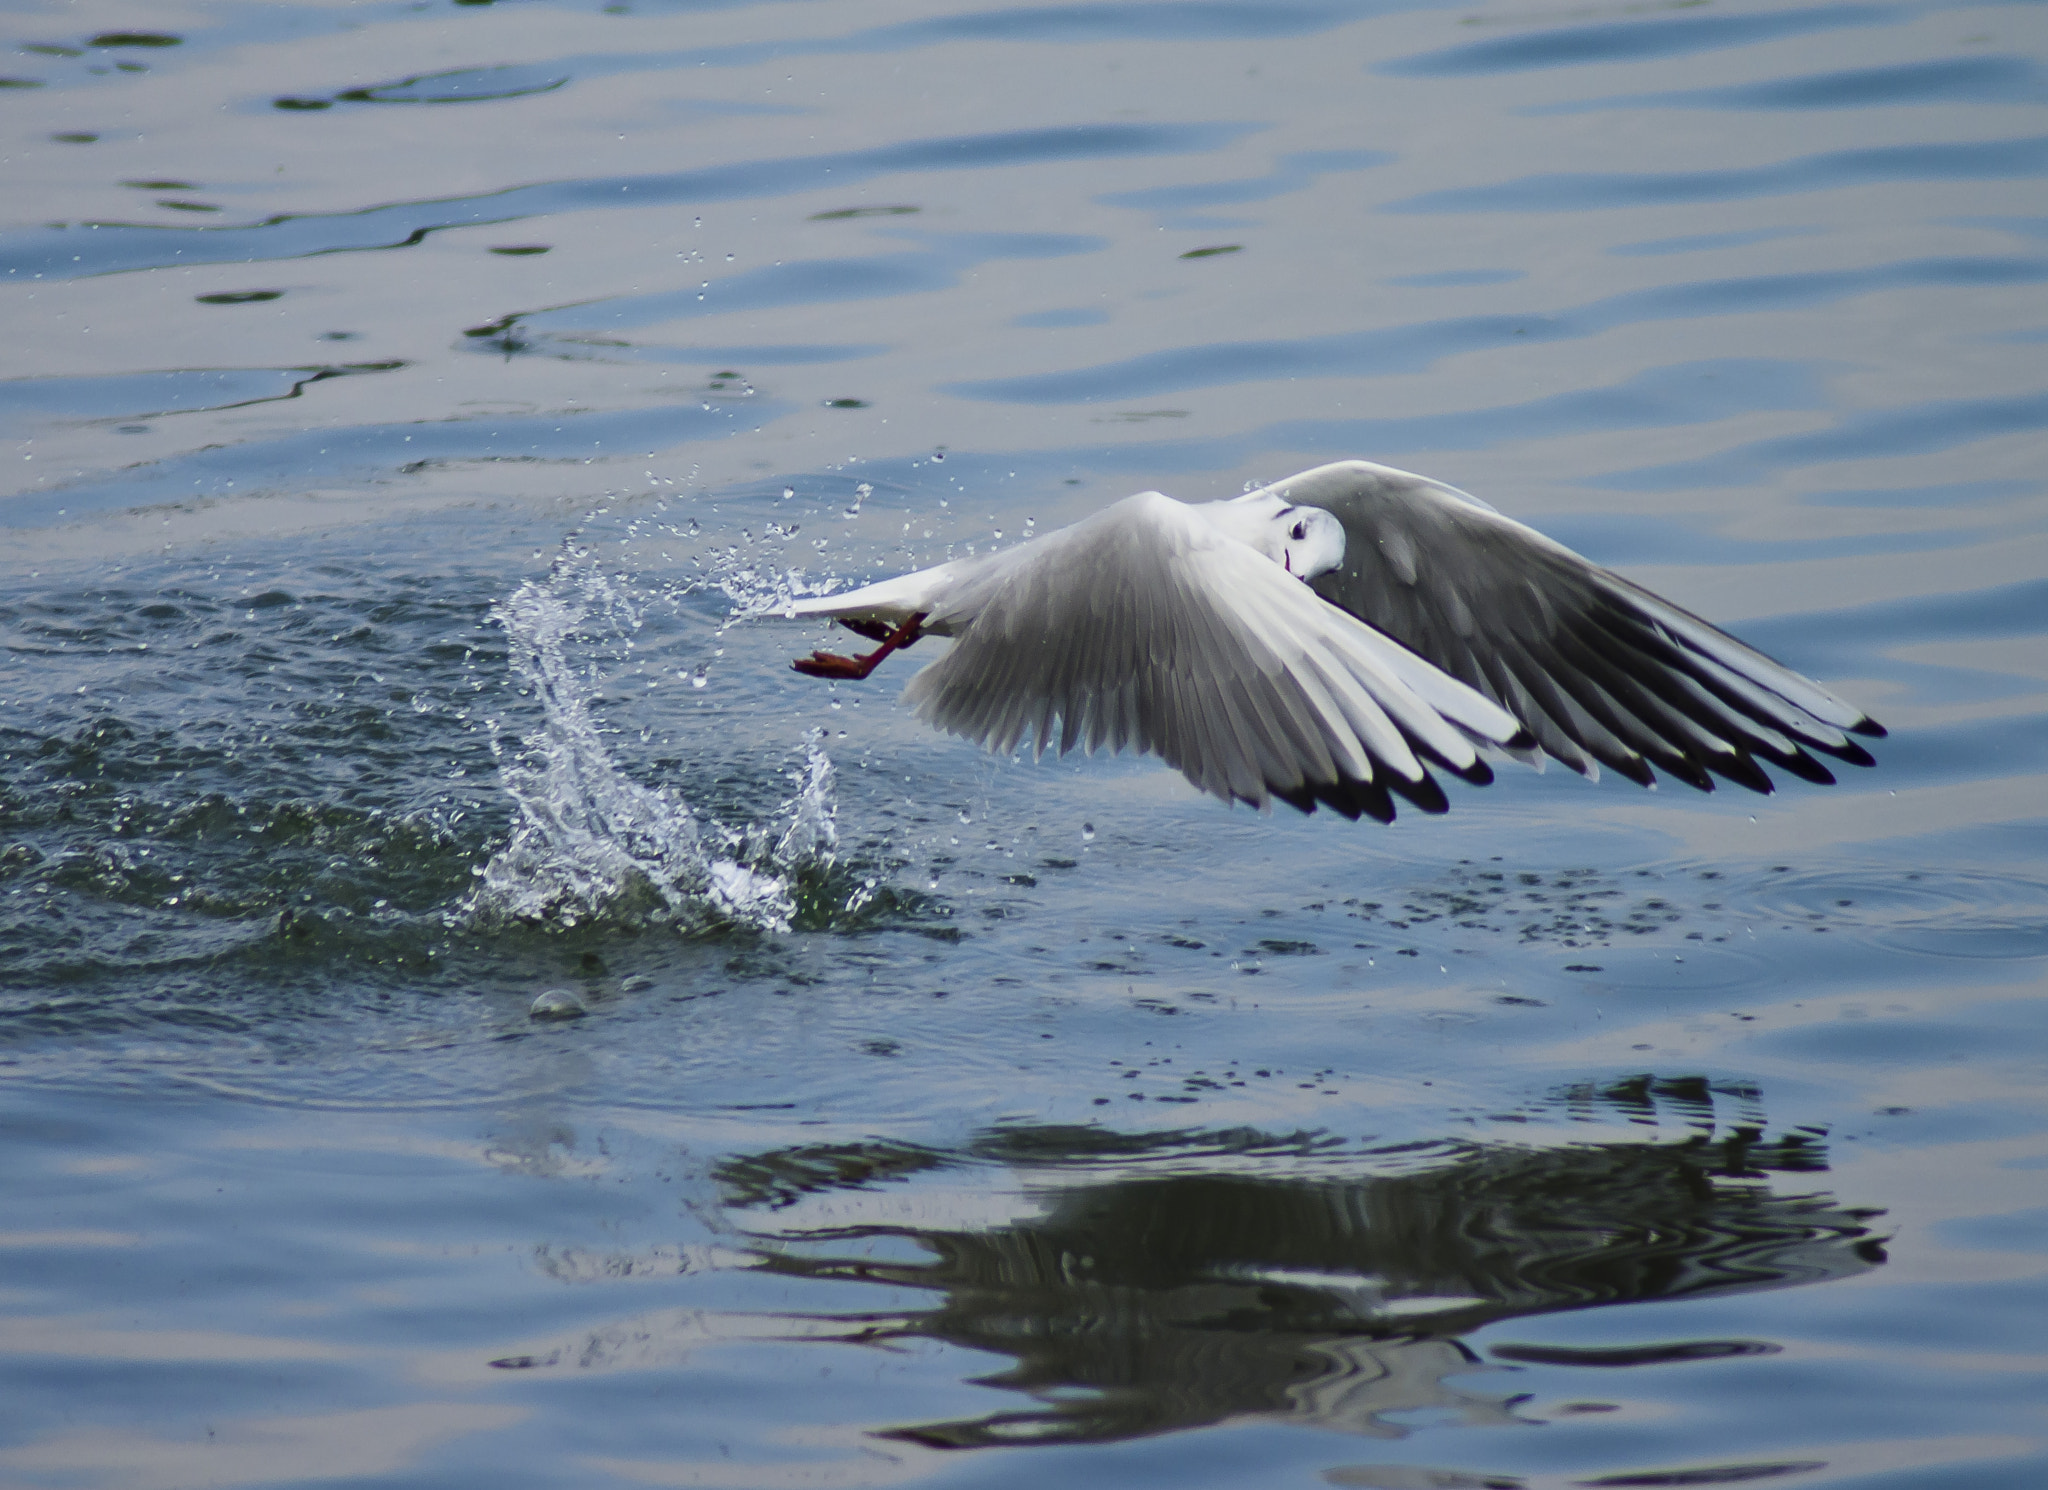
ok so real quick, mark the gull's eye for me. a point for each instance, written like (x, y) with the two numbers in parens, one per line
(1298, 532)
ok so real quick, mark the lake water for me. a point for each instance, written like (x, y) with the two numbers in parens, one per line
(400, 401)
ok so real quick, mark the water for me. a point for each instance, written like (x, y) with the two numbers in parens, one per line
(416, 417)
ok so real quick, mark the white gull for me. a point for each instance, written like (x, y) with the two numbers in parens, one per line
(1329, 638)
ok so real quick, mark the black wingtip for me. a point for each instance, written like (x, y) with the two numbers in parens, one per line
(1630, 767)
(1848, 752)
(1300, 798)
(1475, 773)
(1354, 799)
(1683, 768)
(1425, 793)
(1740, 769)
(1797, 763)
(1869, 728)
(1350, 799)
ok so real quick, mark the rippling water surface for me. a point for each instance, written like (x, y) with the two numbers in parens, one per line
(414, 417)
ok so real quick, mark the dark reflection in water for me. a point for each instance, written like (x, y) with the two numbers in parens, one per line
(464, 85)
(1171, 1280)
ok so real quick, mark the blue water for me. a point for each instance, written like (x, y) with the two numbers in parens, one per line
(412, 414)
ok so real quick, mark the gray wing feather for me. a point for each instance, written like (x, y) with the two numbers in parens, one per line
(1145, 628)
(1600, 670)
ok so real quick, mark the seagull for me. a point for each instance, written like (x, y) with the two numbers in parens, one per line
(1330, 639)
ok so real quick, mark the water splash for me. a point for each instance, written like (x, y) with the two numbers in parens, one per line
(758, 587)
(813, 833)
(591, 843)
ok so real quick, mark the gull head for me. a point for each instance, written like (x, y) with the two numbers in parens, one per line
(1305, 541)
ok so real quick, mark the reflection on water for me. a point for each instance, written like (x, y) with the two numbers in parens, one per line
(1164, 1281)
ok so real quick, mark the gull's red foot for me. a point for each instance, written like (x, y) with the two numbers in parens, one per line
(832, 665)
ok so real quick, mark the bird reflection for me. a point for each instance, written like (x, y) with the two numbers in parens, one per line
(1143, 1284)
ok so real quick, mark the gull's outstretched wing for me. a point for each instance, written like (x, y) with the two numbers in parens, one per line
(1599, 669)
(1145, 627)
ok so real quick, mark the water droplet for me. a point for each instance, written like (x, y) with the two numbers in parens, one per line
(1087, 832)
(966, 816)
(699, 678)
(557, 1003)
